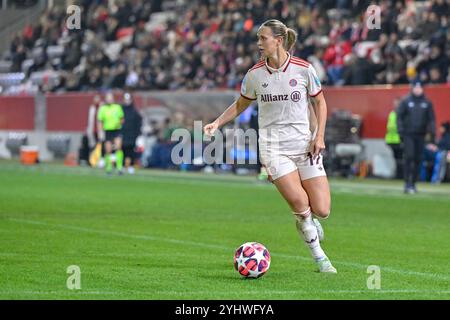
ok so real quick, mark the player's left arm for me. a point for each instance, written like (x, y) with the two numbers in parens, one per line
(314, 89)
(320, 107)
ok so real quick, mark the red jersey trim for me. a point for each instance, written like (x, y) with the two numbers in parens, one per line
(315, 95)
(300, 60)
(287, 65)
(300, 64)
(258, 65)
(247, 97)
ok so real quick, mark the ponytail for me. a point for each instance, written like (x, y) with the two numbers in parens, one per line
(291, 38)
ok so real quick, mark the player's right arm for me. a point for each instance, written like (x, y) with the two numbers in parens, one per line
(232, 112)
(248, 95)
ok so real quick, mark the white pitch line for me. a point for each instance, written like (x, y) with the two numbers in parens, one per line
(208, 245)
(186, 293)
(310, 292)
(68, 292)
(120, 234)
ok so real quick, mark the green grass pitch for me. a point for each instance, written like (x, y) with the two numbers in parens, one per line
(170, 235)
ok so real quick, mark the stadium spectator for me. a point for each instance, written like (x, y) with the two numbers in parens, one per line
(18, 4)
(209, 44)
(436, 76)
(334, 57)
(131, 129)
(434, 59)
(357, 70)
(18, 58)
(415, 119)
(161, 151)
(436, 156)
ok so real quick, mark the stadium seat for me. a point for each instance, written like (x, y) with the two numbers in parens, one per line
(15, 141)
(59, 145)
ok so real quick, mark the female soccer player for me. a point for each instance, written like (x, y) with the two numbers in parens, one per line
(290, 150)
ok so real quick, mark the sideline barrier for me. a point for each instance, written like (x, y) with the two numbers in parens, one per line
(68, 111)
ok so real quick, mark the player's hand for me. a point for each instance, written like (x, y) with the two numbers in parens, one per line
(319, 145)
(101, 135)
(210, 128)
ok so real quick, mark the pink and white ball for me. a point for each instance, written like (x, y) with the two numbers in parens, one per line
(252, 260)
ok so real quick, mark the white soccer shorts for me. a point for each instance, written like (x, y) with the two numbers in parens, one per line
(281, 165)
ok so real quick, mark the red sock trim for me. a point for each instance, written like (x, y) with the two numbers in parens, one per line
(304, 214)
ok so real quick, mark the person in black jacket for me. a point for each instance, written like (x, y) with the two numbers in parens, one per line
(131, 129)
(415, 119)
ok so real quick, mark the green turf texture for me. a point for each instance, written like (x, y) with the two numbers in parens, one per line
(170, 235)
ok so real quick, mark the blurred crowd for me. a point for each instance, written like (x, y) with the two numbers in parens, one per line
(17, 4)
(205, 44)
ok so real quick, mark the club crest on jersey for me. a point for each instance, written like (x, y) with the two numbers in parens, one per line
(295, 96)
(293, 82)
(265, 84)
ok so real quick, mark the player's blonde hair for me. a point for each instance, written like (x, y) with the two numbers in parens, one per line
(279, 29)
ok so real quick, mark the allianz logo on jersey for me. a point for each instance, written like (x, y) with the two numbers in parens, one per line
(268, 97)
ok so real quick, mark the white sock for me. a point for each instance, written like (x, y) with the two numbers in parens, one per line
(308, 232)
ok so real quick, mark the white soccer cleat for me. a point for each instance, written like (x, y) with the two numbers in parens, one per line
(325, 266)
(319, 228)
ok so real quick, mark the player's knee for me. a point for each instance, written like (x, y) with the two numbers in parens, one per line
(322, 211)
(298, 204)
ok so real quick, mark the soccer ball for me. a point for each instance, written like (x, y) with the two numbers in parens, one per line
(252, 260)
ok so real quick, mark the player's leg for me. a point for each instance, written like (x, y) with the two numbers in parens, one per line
(126, 156)
(119, 153)
(318, 191)
(419, 145)
(291, 189)
(315, 183)
(408, 162)
(132, 157)
(108, 160)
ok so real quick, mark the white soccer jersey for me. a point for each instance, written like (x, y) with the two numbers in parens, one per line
(282, 96)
